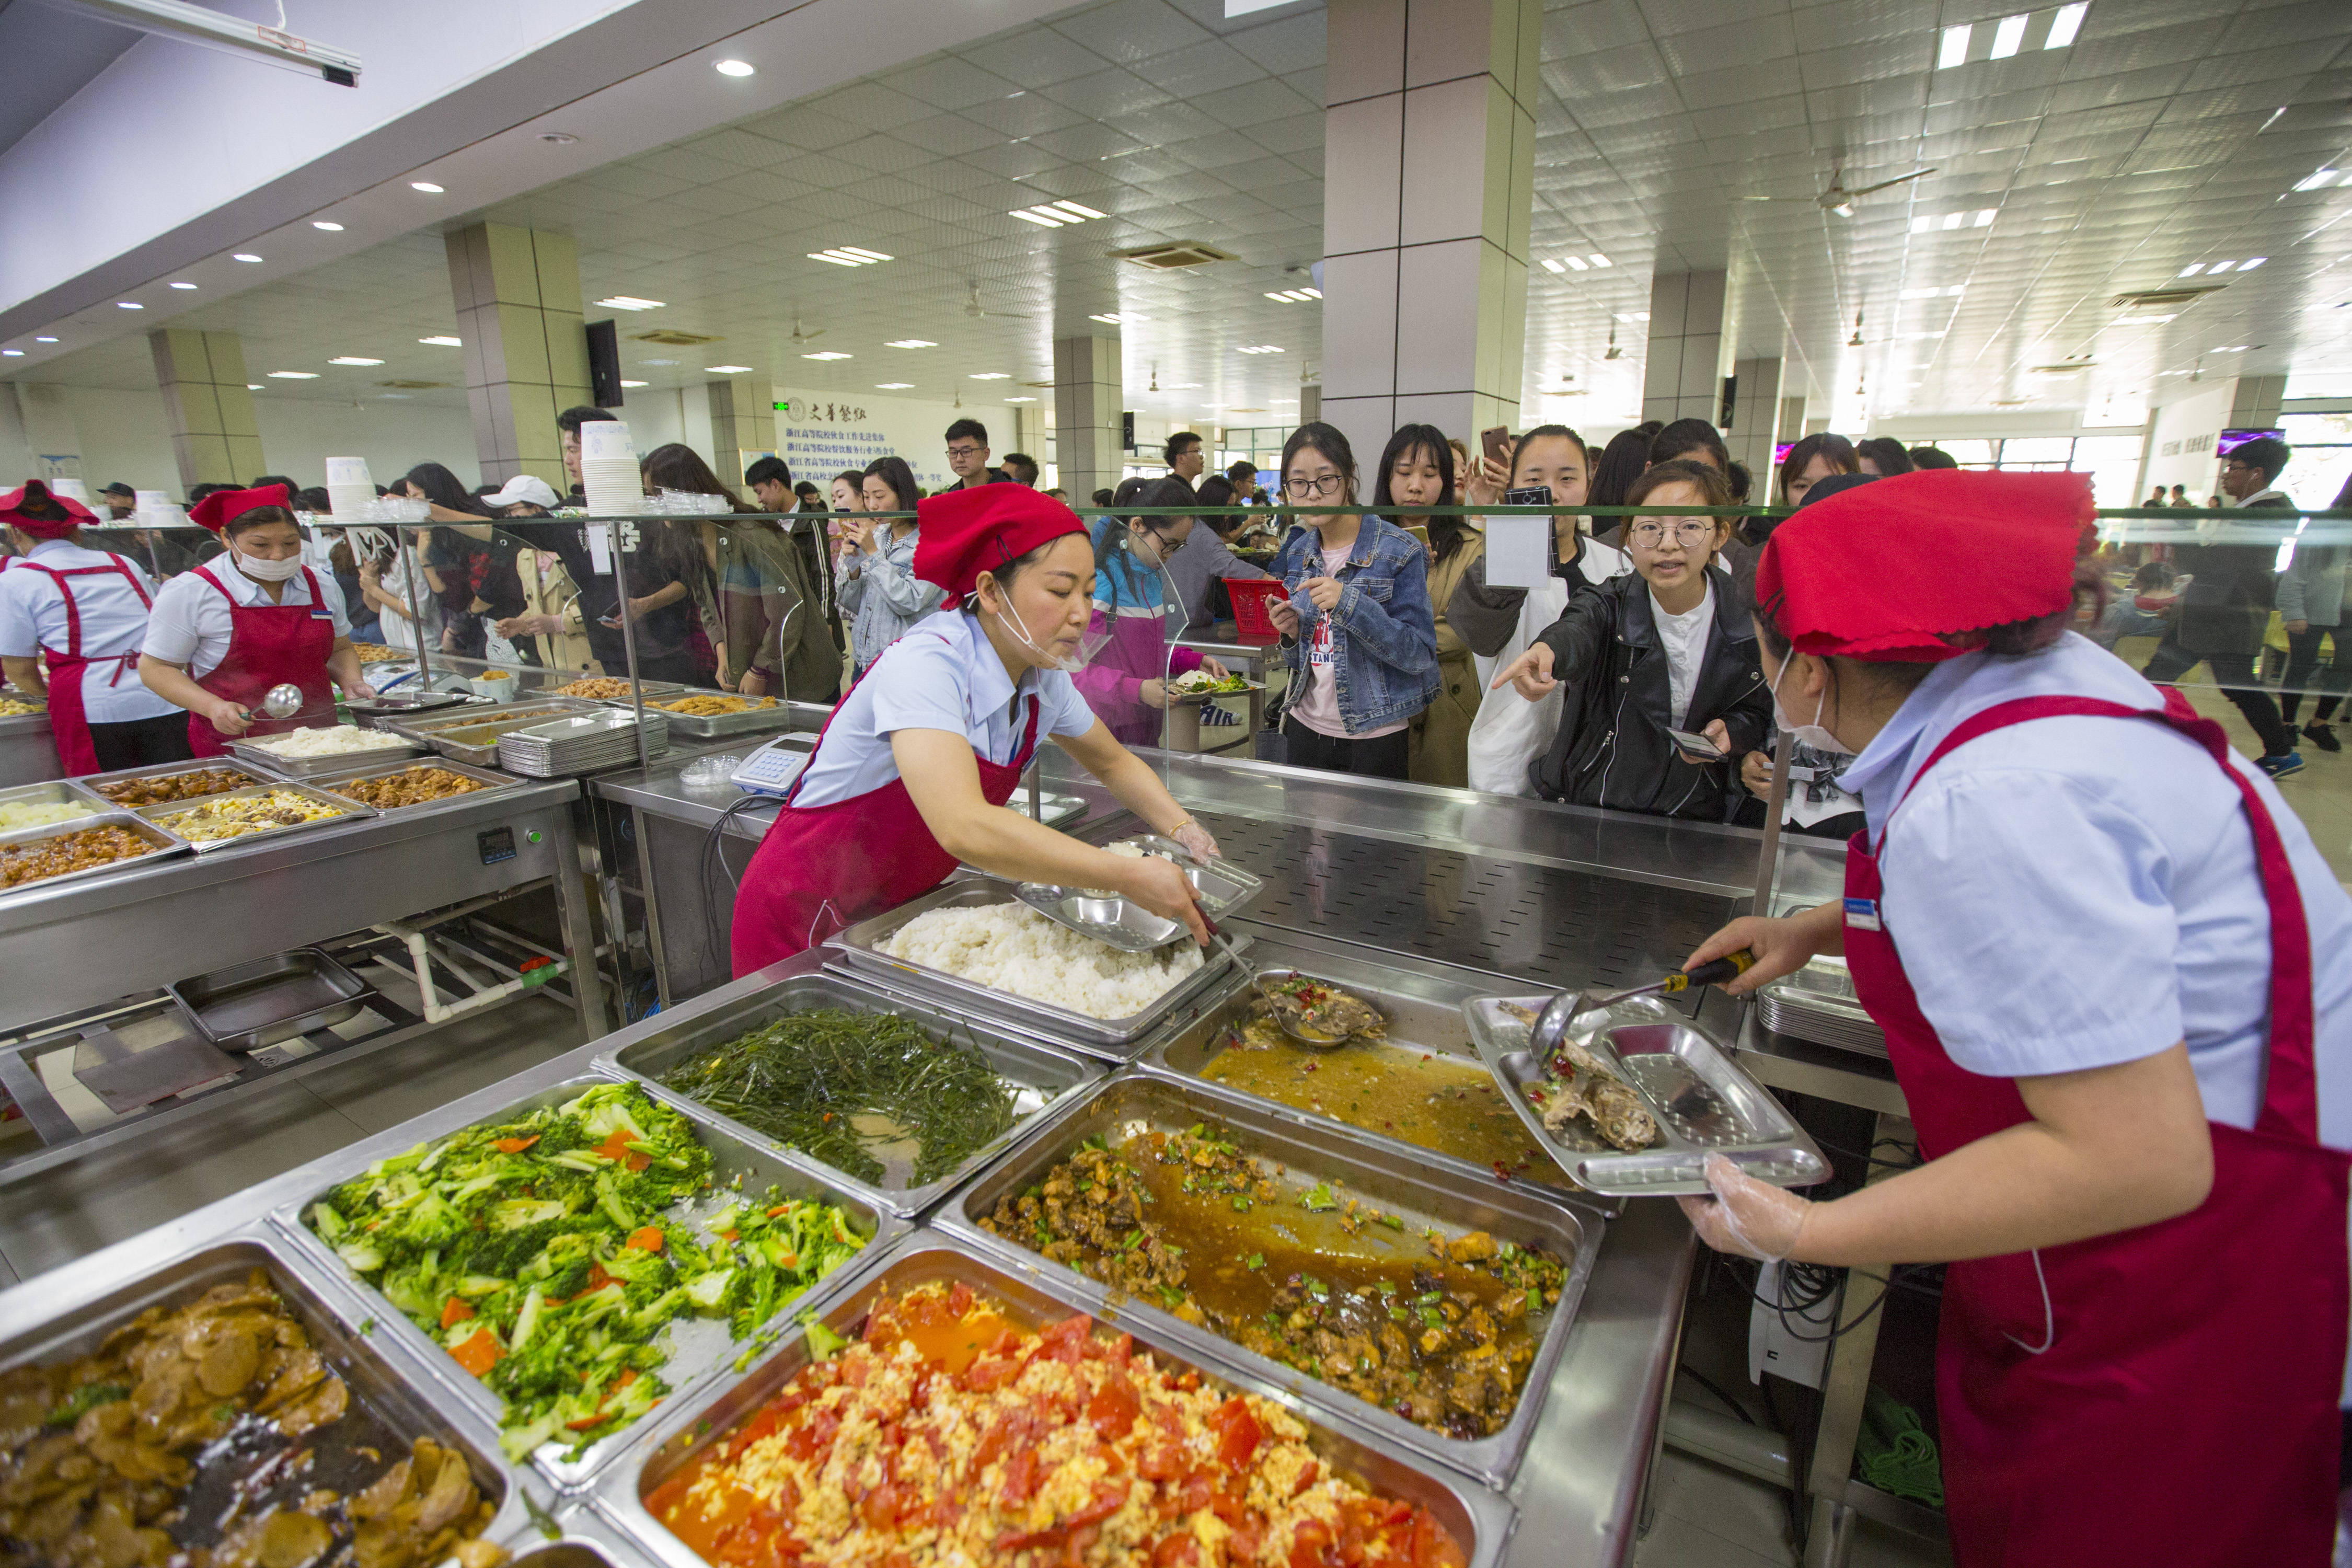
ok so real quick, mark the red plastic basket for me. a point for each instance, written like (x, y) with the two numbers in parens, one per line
(1252, 623)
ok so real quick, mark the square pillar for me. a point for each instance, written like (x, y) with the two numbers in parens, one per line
(214, 437)
(1090, 384)
(1755, 415)
(742, 426)
(1683, 376)
(1429, 181)
(517, 293)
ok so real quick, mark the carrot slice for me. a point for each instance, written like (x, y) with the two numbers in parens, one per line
(480, 1354)
(456, 1310)
(514, 1146)
(647, 1239)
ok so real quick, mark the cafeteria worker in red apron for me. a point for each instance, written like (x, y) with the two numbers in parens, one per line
(913, 770)
(2112, 974)
(83, 612)
(222, 634)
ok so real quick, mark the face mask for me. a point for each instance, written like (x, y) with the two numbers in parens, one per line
(1812, 734)
(268, 571)
(1077, 660)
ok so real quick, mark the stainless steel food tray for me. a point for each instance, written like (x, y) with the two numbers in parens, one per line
(1477, 1518)
(710, 726)
(1704, 1102)
(250, 1005)
(1818, 1003)
(1121, 922)
(1424, 1013)
(59, 792)
(1306, 1153)
(650, 689)
(1115, 1037)
(387, 707)
(247, 751)
(1058, 808)
(346, 811)
(436, 735)
(167, 844)
(254, 772)
(488, 778)
(701, 1352)
(1043, 1076)
(379, 1377)
(583, 742)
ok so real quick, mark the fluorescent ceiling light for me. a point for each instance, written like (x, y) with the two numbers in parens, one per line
(1954, 48)
(2250, 262)
(2065, 25)
(735, 68)
(1259, 349)
(242, 256)
(1984, 218)
(354, 359)
(827, 353)
(443, 341)
(1292, 296)
(633, 384)
(2141, 320)
(849, 256)
(992, 375)
(1633, 315)
(661, 361)
(1114, 319)
(2192, 269)
(183, 285)
(293, 375)
(255, 386)
(725, 369)
(1028, 215)
(2007, 37)
(2315, 179)
(2218, 268)
(1020, 400)
(1551, 266)
(1082, 210)
(13, 354)
(892, 385)
(1599, 260)
(428, 186)
(129, 305)
(329, 227)
(1953, 220)
(44, 339)
(911, 343)
(1578, 264)
(630, 302)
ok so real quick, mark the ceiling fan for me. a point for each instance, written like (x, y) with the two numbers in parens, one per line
(971, 307)
(1838, 199)
(801, 334)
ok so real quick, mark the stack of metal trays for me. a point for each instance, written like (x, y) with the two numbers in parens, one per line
(473, 736)
(1818, 1003)
(581, 744)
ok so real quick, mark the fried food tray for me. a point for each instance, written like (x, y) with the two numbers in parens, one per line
(1704, 1102)
(1044, 1076)
(345, 811)
(701, 1350)
(254, 773)
(166, 843)
(489, 779)
(1479, 1519)
(1307, 1153)
(710, 726)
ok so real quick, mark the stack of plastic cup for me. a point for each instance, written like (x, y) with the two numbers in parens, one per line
(349, 488)
(608, 469)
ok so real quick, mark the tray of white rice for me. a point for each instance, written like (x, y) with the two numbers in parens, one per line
(971, 945)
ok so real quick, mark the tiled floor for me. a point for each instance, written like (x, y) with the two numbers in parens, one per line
(2321, 794)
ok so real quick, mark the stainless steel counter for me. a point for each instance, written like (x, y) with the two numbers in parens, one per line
(28, 749)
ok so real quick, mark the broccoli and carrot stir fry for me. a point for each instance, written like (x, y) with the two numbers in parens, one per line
(547, 1255)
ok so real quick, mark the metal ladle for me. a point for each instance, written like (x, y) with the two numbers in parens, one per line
(1313, 1039)
(282, 701)
(1559, 1014)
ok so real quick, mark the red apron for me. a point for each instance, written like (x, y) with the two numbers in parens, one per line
(67, 722)
(269, 645)
(2166, 1394)
(823, 868)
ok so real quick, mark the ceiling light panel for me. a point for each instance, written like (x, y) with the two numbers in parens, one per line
(293, 375)
(725, 369)
(629, 303)
(428, 186)
(443, 341)
(827, 353)
(324, 226)
(850, 256)
(354, 359)
(992, 375)
(892, 385)
(911, 343)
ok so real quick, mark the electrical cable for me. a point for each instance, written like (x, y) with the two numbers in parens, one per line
(1708, 1384)
(714, 853)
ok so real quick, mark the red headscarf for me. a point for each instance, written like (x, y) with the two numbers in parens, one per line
(34, 493)
(1889, 570)
(968, 531)
(221, 508)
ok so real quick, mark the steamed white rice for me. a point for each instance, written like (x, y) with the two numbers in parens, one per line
(1011, 947)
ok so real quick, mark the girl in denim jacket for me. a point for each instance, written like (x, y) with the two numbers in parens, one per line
(1356, 630)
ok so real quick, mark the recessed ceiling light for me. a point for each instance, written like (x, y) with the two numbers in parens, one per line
(1020, 400)
(1259, 349)
(661, 361)
(255, 386)
(558, 138)
(183, 285)
(633, 384)
(1551, 266)
(443, 341)
(428, 186)
(2192, 269)
(849, 256)
(2065, 25)
(129, 305)
(1954, 48)
(630, 302)
(44, 339)
(2008, 36)
(13, 354)
(354, 359)
(2250, 262)
(329, 227)
(244, 256)
(2315, 180)
(735, 68)
(892, 385)
(992, 375)
(1053, 215)
(293, 375)
(2218, 268)
(827, 353)
(1983, 219)
(911, 343)
(1292, 296)
(1114, 319)
(2141, 320)
(725, 369)
(1599, 260)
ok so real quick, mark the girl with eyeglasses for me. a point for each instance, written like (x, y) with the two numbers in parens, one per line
(1357, 630)
(1127, 682)
(1672, 648)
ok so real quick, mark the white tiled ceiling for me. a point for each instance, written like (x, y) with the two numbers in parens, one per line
(2151, 143)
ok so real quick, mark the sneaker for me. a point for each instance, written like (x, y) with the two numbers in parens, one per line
(2279, 766)
(2323, 736)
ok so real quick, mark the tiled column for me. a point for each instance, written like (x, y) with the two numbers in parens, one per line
(1089, 380)
(1754, 413)
(517, 291)
(2255, 403)
(742, 426)
(1683, 377)
(51, 437)
(1428, 182)
(214, 436)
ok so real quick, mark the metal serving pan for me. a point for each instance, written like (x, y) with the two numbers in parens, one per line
(1058, 808)
(1818, 1003)
(250, 1005)
(649, 687)
(1113, 1038)
(710, 726)
(254, 772)
(1306, 1153)
(1122, 923)
(1424, 1013)
(1042, 1076)
(380, 1380)
(701, 1350)
(162, 816)
(1477, 1518)
(1704, 1101)
(59, 792)
(376, 712)
(332, 783)
(311, 767)
(166, 843)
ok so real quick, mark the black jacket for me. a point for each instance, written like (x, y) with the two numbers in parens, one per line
(2226, 608)
(1612, 749)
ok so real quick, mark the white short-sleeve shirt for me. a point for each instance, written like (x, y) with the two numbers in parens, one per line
(113, 623)
(941, 674)
(190, 622)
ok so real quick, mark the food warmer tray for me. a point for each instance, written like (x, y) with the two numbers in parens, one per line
(60, 792)
(649, 687)
(375, 712)
(434, 733)
(1479, 1519)
(1308, 1153)
(584, 742)
(701, 1352)
(1818, 1003)
(489, 779)
(1118, 1038)
(710, 726)
(1704, 1102)
(1121, 922)
(381, 1380)
(1424, 1013)
(250, 1005)
(167, 844)
(247, 752)
(253, 771)
(345, 811)
(1046, 1076)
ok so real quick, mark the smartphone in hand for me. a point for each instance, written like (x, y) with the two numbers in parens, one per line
(1496, 444)
(1696, 745)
